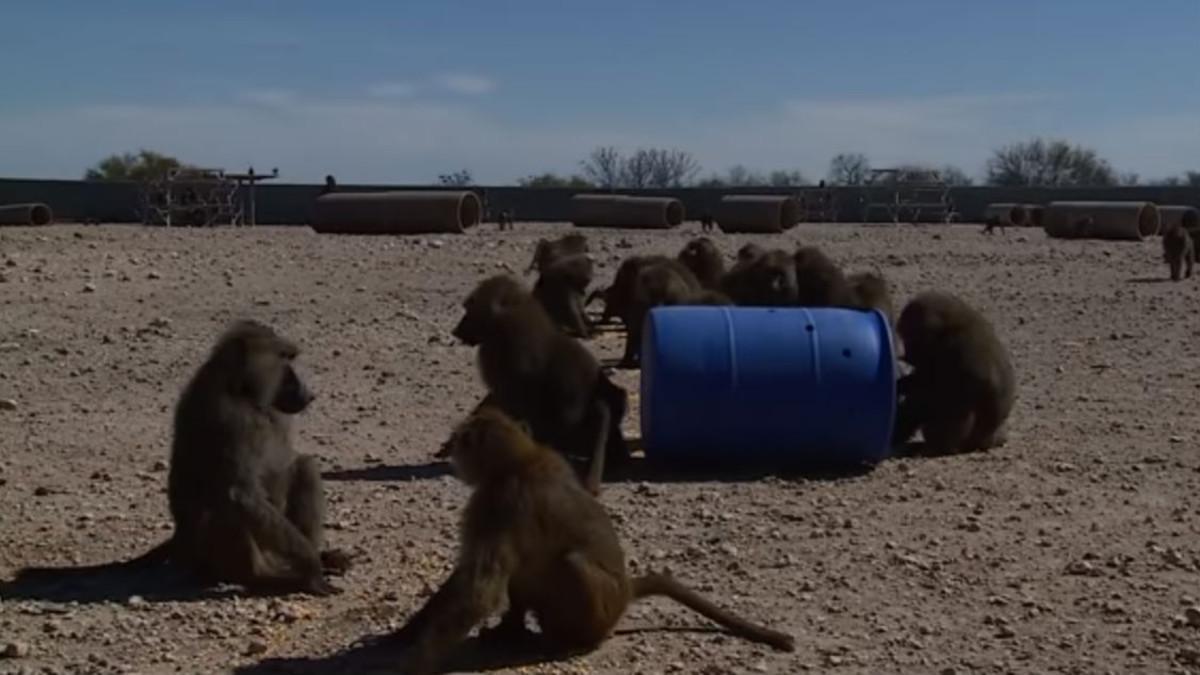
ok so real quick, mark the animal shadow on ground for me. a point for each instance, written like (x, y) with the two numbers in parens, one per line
(381, 654)
(88, 586)
(1150, 280)
(639, 470)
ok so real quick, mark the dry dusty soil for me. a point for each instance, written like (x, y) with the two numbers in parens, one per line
(1072, 549)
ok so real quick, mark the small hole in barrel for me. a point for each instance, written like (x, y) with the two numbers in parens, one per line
(846, 353)
(810, 328)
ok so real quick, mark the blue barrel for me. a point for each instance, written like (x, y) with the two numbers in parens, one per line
(792, 387)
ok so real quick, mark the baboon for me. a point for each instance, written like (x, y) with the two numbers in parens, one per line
(561, 288)
(664, 283)
(330, 185)
(504, 220)
(1179, 252)
(768, 280)
(549, 250)
(962, 386)
(247, 508)
(531, 534)
(618, 296)
(749, 253)
(820, 282)
(702, 257)
(706, 221)
(537, 374)
(870, 291)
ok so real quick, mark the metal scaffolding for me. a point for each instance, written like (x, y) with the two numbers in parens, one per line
(908, 195)
(198, 197)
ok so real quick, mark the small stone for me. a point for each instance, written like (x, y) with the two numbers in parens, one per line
(135, 601)
(1192, 616)
(8, 404)
(9, 347)
(160, 465)
(1005, 633)
(729, 550)
(153, 275)
(89, 288)
(437, 243)
(256, 647)
(16, 650)
(41, 491)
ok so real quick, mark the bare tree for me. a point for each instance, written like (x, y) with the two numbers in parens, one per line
(955, 176)
(604, 167)
(671, 168)
(146, 164)
(553, 180)
(638, 169)
(785, 178)
(460, 178)
(1129, 178)
(849, 168)
(739, 176)
(1052, 163)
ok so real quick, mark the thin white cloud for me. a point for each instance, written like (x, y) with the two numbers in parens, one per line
(464, 83)
(392, 140)
(392, 89)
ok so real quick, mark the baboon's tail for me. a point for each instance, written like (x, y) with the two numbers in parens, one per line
(155, 556)
(663, 584)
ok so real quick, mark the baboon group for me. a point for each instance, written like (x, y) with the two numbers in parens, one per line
(534, 536)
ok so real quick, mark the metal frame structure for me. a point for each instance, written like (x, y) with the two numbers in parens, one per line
(907, 195)
(199, 197)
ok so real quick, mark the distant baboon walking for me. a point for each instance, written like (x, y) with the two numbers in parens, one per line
(330, 185)
(706, 222)
(1179, 252)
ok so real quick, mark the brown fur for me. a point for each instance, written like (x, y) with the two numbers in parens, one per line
(962, 387)
(549, 250)
(247, 508)
(531, 534)
(561, 288)
(765, 280)
(820, 281)
(539, 375)
(663, 283)
(1178, 252)
(870, 291)
(702, 257)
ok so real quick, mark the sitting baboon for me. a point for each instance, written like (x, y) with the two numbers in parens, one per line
(749, 253)
(962, 386)
(549, 250)
(561, 288)
(702, 257)
(618, 296)
(706, 221)
(820, 282)
(538, 374)
(663, 283)
(870, 291)
(504, 219)
(247, 508)
(766, 280)
(330, 185)
(530, 534)
(1179, 252)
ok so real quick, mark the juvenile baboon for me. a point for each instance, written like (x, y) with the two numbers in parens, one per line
(330, 185)
(1179, 252)
(663, 283)
(749, 253)
(561, 288)
(870, 291)
(531, 534)
(767, 280)
(618, 296)
(541, 376)
(247, 508)
(702, 257)
(549, 250)
(820, 282)
(706, 222)
(962, 386)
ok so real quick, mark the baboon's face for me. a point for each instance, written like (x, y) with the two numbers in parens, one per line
(484, 444)
(259, 363)
(292, 396)
(699, 249)
(484, 307)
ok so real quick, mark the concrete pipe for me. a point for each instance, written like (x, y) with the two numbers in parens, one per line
(626, 211)
(26, 214)
(399, 212)
(757, 213)
(1035, 214)
(1011, 215)
(1187, 217)
(1132, 221)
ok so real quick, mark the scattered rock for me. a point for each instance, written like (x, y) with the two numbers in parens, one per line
(1192, 616)
(8, 404)
(135, 601)
(256, 648)
(89, 288)
(15, 650)
(1083, 568)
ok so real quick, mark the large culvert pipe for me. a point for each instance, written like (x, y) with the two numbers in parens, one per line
(1101, 220)
(26, 214)
(399, 212)
(1187, 217)
(1009, 215)
(626, 211)
(757, 213)
(1035, 214)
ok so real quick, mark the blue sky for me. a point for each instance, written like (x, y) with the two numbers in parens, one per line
(381, 92)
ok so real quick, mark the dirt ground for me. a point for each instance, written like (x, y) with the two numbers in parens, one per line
(1072, 549)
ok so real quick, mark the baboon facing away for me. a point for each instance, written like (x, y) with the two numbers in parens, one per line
(663, 283)
(247, 509)
(1179, 252)
(531, 534)
(549, 250)
(870, 291)
(962, 386)
(704, 259)
(819, 281)
(765, 280)
(561, 288)
(539, 375)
